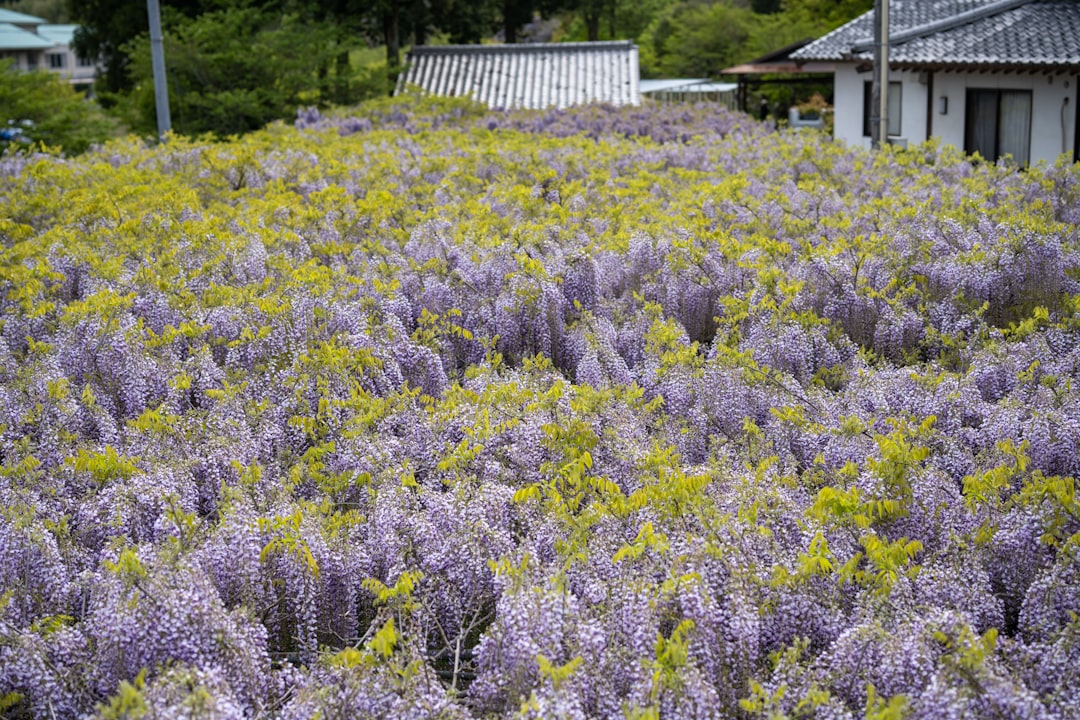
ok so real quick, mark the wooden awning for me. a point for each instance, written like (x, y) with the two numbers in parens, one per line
(786, 67)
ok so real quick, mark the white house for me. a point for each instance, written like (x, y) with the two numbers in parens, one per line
(33, 44)
(61, 57)
(997, 77)
(19, 41)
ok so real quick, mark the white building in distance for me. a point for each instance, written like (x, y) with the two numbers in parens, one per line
(998, 78)
(33, 44)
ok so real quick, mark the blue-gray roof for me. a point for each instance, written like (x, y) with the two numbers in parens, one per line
(18, 18)
(532, 76)
(13, 38)
(1038, 34)
(58, 34)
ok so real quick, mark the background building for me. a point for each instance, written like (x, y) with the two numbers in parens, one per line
(997, 78)
(33, 44)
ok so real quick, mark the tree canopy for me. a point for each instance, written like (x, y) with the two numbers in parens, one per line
(47, 110)
(232, 71)
(235, 65)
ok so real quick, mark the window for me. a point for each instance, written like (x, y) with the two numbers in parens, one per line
(86, 62)
(57, 60)
(998, 122)
(896, 91)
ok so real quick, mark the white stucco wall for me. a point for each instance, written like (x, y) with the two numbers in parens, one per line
(1048, 94)
(25, 59)
(72, 71)
(1051, 133)
(848, 103)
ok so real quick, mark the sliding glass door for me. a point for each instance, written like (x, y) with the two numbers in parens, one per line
(998, 123)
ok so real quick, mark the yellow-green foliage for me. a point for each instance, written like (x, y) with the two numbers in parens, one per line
(419, 392)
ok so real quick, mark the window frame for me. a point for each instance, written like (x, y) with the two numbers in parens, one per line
(969, 104)
(894, 85)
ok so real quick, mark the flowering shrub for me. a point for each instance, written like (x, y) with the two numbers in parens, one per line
(433, 412)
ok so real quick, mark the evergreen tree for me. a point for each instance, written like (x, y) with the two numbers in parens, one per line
(105, 26)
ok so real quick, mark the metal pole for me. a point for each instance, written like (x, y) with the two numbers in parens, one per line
(157, 58)
(884, 70)
(879, 87)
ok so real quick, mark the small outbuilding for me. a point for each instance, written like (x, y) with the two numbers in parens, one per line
(527, 75)
(998, 78)
(691, 90)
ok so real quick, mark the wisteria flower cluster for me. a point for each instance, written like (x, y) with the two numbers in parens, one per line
(425, 411)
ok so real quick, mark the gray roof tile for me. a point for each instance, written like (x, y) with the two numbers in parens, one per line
(1037, 33)
(531, 76)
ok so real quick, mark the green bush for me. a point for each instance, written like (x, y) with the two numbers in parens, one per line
(235, 70)
(49, 111)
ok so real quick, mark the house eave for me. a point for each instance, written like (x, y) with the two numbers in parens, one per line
(998, 68)
(781, 68)
(1043, 68)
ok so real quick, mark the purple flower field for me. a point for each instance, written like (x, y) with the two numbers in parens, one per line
(428, 412)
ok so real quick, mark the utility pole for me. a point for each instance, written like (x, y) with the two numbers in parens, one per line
(879, 87)
(157, 59)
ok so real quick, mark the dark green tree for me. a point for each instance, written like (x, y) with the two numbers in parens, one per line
(390, 22)
(107, 29)
(694, 39)
(516, 14)
(53, 11)
(766, 7)
(106, 26)
(825, 14)
(610, 19)
(235, 70)
(346, 17)
(592, 12)
(467, 21)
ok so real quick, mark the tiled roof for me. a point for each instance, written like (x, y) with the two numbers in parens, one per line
(13, 38)
(531, 76)
(1011, 33)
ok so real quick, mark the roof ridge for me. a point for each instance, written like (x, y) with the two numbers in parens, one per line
(943, 24)
(523, 47)
(13, 26)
